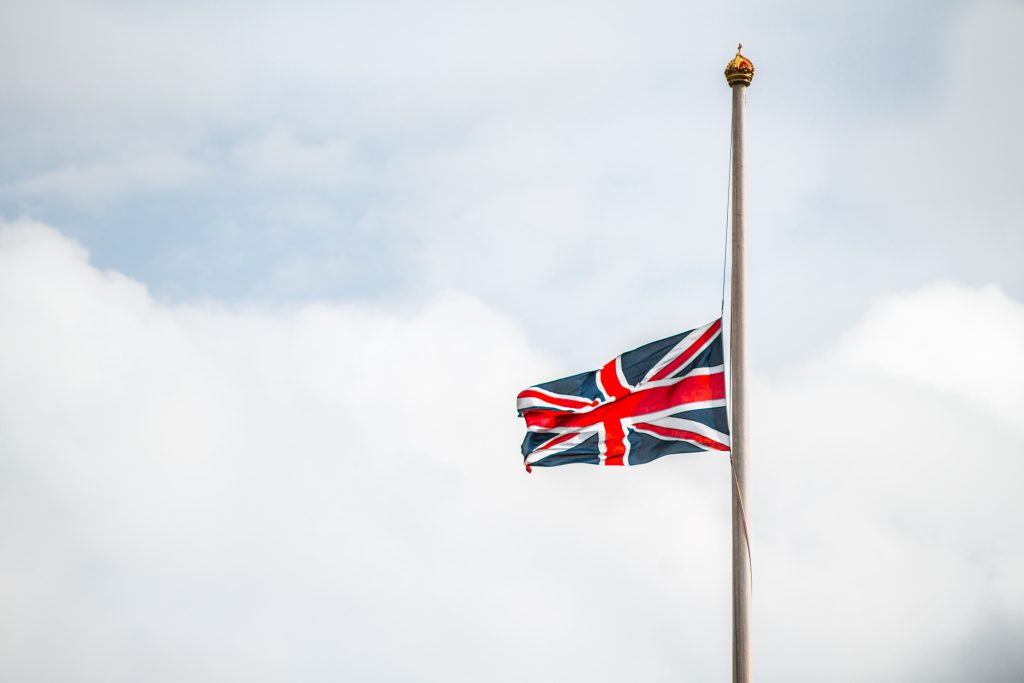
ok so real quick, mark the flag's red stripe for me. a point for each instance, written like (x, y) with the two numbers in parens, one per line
(555, 441)
(687, 390)
(641, 402)
(610, 381)
(555, 400)
(686, 355)
(682, 434)
(614, 443)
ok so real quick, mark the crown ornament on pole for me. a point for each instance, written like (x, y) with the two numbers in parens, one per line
(739, 71)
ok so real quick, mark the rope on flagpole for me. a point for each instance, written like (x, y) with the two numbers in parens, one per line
(725, 242)
(743, 518)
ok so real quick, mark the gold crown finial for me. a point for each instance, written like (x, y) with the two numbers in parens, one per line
(740, 70)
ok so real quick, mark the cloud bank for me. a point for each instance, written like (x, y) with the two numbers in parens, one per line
(207, 492)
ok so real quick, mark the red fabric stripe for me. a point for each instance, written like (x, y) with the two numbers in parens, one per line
(555, 441)
(686, 355)
(640, 402)
(682, 434)
(610, 380)
(555, 400)
(614, 443)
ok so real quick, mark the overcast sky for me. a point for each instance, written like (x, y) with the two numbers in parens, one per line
(272, 275)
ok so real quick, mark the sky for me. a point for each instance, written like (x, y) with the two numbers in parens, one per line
(272, 275)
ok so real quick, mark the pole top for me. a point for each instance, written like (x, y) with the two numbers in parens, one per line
(739, 71)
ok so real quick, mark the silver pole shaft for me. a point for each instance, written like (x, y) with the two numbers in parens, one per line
(738, 393)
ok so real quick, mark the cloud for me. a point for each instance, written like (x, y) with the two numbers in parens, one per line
(325, 491)
(316, 492)
(890, 469)
(962, 341)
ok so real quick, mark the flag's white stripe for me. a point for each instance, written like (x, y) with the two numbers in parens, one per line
(703, 371)
(626, 443)
(691, 426)
(600, 385)
(541, 454)
(622, 377)
(559, 430)
(698, 444)
(565, 397)
(681, 347)
(669, 381)
(535, 402)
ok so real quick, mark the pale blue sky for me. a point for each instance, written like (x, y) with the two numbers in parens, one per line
(337, 151)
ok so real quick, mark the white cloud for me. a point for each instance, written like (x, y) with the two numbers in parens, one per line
(962, 341)
(318, 492)
(890, 471)
(327, 491)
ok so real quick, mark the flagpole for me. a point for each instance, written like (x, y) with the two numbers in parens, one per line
(739, 74)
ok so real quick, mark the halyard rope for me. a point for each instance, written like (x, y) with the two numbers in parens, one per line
(725, 242)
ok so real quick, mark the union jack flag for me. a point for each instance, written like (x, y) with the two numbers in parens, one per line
(664, 397)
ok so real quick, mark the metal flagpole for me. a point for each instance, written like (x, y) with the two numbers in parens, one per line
(739, 73)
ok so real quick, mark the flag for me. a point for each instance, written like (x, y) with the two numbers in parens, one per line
(661, 398)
